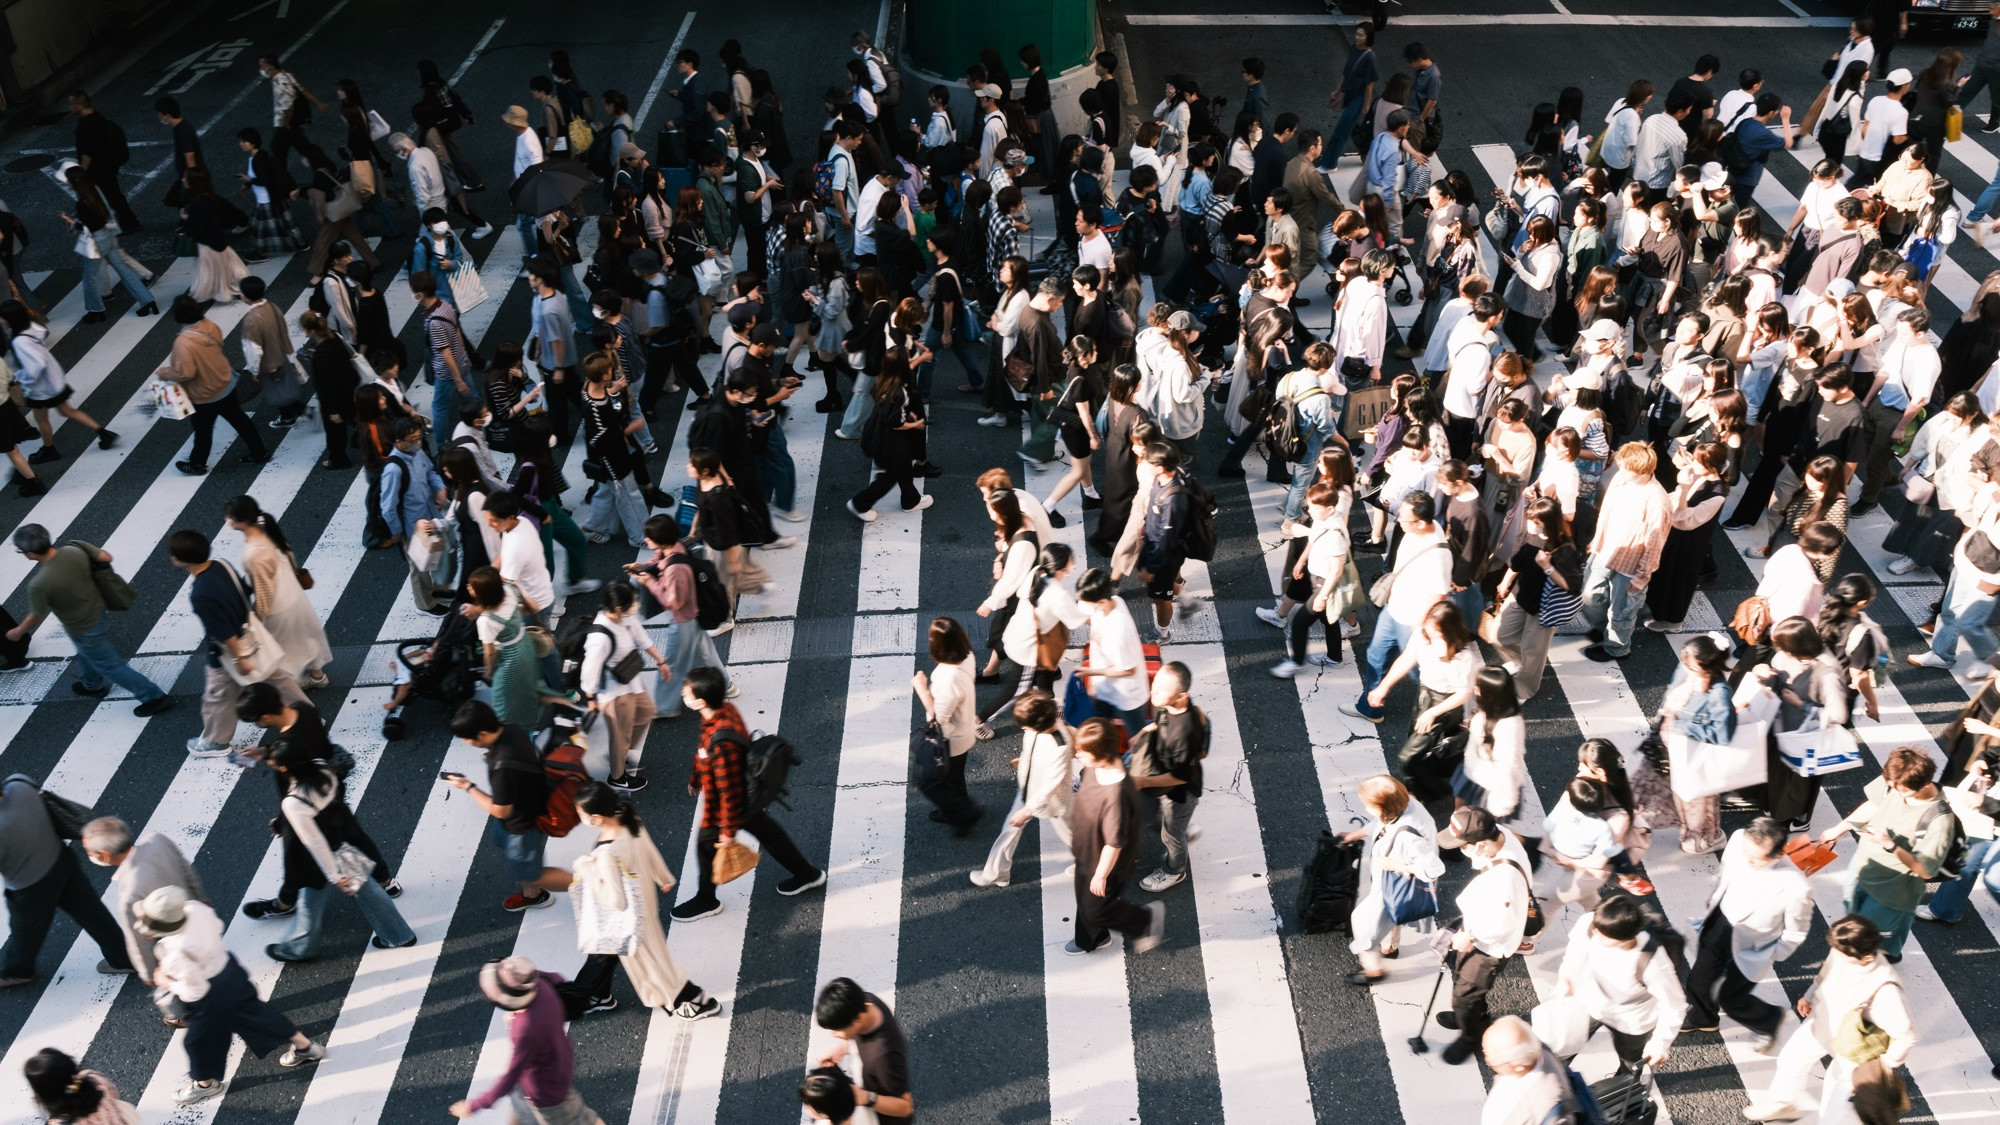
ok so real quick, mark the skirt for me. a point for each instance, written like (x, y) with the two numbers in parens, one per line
(217, 273)
(271, 228)
(51, 402)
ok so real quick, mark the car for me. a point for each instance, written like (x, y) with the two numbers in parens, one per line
(1958, 16)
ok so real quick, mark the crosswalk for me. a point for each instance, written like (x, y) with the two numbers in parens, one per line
(1238, 1017)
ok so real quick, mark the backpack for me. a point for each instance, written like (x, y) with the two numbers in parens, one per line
(710, 598)
(1731, 151)
(402, 489)
(1954, 853)
(767, 768)
(892, 78)
(1198, 538)
(120, 152)
(316, 299)
(598, 155)
(1625, 405)
(1285, 432)
(1331, 885)
(1880, 669)
(823, 182)
(563, 770)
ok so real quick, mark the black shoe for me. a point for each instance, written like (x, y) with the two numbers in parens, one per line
(601, 1004)
(1604, 655)
(938, 817)
(1460, 1050)
(151, 707)
(270, 908)
(661, 499)
(629, 782)
(1370, 547)
(256, 458)
(32, 486)
(825, 406)
(926, 469)
(393, 888)
(1694, 1024)
(271, 951)
(1736, 525)
(1233, 472)
(1092, 503)
(1594, 636)
(1057, 519)
(1364, 980)
(94, 693)
(695, 909)
(1862, 509)
(150, 308)
(378, 943)
(1448, 1020)
(964, 827)
(1799, 823)
(105, 438)
(984, 678)
(798, 886)
(15, 665)
(93, 318)
(191, 469)
(44, 455)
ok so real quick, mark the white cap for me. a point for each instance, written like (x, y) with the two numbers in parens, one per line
(1714, 177)
(1603, 330)
(991, 91)
(1901, 76)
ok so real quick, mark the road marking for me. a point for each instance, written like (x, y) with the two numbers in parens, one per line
(1482, 19)
(660, 79)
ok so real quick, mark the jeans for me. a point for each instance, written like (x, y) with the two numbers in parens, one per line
(444, 407)
(32, 908)
(375, 904)
(1336, 145)
(1307, 469)
(1133, 719)
(1964, 613)
(1987, 206)
(688, 647)
(774, 464)
(93, 278)
(1391, 637)
(1471, 602)
(1610, 604)
(1174, 818)
(1982, 863)
(525, 225)
(962, 347)
(97, 662)
(616, 506)
(523, 852)
(860, 405)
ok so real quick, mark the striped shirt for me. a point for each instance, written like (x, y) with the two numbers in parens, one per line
(442, 331)
(1637, 514)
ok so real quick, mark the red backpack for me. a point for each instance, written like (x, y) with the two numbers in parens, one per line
(562, 769)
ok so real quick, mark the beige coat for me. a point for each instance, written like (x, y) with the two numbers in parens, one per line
(655, 976)
(197, 362)
(284, 607)
(264, 326)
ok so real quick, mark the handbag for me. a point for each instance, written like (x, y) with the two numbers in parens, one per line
(1562, 1023)
(1078, 706)
(169, 398)
(1752, 620)
(1407, 899)
(1809, 855)
(733, 860)
(710, 273)
(377, 127)
(1919, 489)
(606, 899)
(1859, 1039)
(344, 204)
(350, 862)
(1489, 625)
(1704, 769)
(1346, 593)
(111, 586)
(1020, 370)
(1954, 123)
(185, 246)
(1559, 606)
(1385, 585)
(304, 576)
(930, 754)
(468, 292)
(262, 652)
(1816, 750)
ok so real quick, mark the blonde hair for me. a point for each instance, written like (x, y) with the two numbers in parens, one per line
(1638, 458)
(310, 321)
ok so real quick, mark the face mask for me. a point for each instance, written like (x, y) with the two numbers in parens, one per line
(597, 313)
(440, 228)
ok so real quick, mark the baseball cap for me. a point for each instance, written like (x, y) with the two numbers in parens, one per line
(740, 315)
(645, 261)
(1182, 321)
(1017, 156)
(630, 151)
(991, 91)
(1469, 825)
(1901, 76)
(1840, 287)
(764, 334)
(1603, 330)
(1714, 177)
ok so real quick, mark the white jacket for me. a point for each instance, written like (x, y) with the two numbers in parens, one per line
(1630, 990)
(1044, 774)
(192, 957)
(1502, 769)
(1769, 909)
(1169, 387)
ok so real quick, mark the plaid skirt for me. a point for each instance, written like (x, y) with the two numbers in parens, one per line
(272, 230)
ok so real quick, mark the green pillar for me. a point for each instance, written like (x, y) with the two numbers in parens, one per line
(945, 36)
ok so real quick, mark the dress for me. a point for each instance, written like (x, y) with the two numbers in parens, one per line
(284, 608)
(1121, 471)
(1682, 559)
(517, 677)
(655, 976)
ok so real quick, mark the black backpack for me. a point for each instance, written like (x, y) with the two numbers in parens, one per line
(1954, 853)
(1285, 429)
(1198, 538)
(711, 598)
(1731, 152)
(1331, 885)
(767, 769)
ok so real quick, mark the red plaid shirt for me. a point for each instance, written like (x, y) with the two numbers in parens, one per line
(718, 769)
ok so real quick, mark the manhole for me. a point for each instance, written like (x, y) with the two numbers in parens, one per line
(31, 163)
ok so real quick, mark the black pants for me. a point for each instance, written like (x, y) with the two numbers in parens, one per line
(32, 908)
(230, 411)
(900, 474)
(336, 440)
(1463, 434)
(1781, 434)
(1301, 626)
(283, 140)
(565, 399)
(1469, 986)
(1520, 329)
(751, 219)
(375, 529)
(1629, 1048)
(594, 980)
(772, 838)
(1097, 916)
(1715, 961)
(106, 183)
(668, 363)
(948, 793)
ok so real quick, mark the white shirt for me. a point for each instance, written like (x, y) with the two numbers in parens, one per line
(1662, 143)
(1437, 356)
(1818, 200)
(1630, 990)
(1856, 50)
(527, 151)
(864, 215)
(1732, 103)
(522, 563)
(1469, 363)
(1769, 909)
(1495, 903)
(1095, 251)
(1913, 369)
(1423, 575)
(1114, 643)
(191, 957)
(426, 178)
(952, 688)
(992, 130)
(1363, 327)
(1524, 1099)
(1791, 584)
(600, 652)
(1885, 118)
(1621, 135)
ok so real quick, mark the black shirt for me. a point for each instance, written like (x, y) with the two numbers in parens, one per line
(1532, 582)
(308, 732)
(1183, 741)
(514, 777)
(1704, 100)
(186, 140)
(1471, 534)
(885, 1059)
(93, 139)
(1840, 431)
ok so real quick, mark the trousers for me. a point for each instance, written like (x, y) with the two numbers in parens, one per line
(770, 836)
(32, 908)
(1715, 985)
(1098, 915)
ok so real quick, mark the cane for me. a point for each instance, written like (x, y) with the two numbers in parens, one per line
(1417, 1044)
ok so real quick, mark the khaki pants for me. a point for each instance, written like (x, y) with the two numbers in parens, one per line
(628, 717)
(220, 694)
(740, 572)
(1525, 641)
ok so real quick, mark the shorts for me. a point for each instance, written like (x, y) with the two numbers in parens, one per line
(1161, 587)
(51, 402)
(1076, 439)
(523, 852)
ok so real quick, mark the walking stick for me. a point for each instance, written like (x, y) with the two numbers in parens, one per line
(1417, 1044)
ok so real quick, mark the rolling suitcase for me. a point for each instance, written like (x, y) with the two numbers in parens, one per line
(1626, 1099)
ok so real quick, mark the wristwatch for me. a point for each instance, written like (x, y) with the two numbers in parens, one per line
(873, 1097)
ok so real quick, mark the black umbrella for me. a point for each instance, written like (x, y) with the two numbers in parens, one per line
(549, 186)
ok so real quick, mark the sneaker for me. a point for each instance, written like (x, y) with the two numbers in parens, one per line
(725, 627)
(1285, 669)
(793, 516)
(192, 1092)
(992, 420)
(314, 682)
(694, 909)
(1032, 462)
(924, 501)
(1073, 949)
(1161, 880)
(600, 1004)
(1603, 655)
(282, 423)
(378, 943)
(1692, 1024)
(843, 435)
(295, 1057)
(1765, 1044)
(159, 705)
(782, 542)
(1636, 885)
(628, 782)
(1270, 616)
(982, 879)
(32, 486)
(797, 885)
(517, 902)
(1800, 823)
(1163, 636)
(1350, 629)
(868, 516)
(1057, 519)
(393, 888)
(482, 230)
(1925, 912)
(269, 908)
(1659, 626)
(583, 586)
(198, 748)
(106, 439)
(1156, 930)
(111, 970)
(1862, 509)
(16, 982)
(98, 692)
(734, 690)
(1771, 1111)
(1903, 565)
(44, 455)
(1354, 712)
(1928, 659)
(698, 1009)
(1322, 660)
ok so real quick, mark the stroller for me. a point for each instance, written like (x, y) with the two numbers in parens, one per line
(445, 669)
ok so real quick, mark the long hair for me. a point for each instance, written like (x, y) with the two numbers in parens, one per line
(1053, 559)
(59, 1086)
(895, 372)
(1602, 755)
(244, 509)
(1006, 513)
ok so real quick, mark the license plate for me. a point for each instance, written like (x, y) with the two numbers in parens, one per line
(1965, 23)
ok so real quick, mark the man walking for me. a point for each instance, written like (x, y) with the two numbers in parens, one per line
(221, 599)
(516, 795)
(862, 1022)
(538, 1083)
(451, 360)
(1758, 914)
(1495, 906)
(42, 875)
(721, 779)
(290, 115)
(100, 151)
(1422, 573)
(412, 495)
(65, 584)
(140, 868)
(1178, 737)
(1104, 840)
(1623, 979)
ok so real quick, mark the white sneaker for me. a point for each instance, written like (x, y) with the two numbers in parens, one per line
(192, 1092)
(1155, 930)
(1323, 660)
(781, 543)
(843, 435)
(1350, 629)
(733, 690)
(1902, 565)
(923, 502)
(981, 879)
(1929, 659)
(1659, 626)
(868, 516)
(722, 628)
(1162, 880)
(789, 517)
(1270, 616)
(992, 420)
(295, 1057)
(1513, 667)
(1163, 636)
(582, 586)
(1285, 669)
(1293, 529)
(1771, 1111)
(482, 230)
(198, 748)
(1924, 912)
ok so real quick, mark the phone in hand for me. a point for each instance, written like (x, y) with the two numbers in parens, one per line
(447, 775)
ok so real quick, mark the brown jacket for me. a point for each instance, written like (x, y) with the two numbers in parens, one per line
(197, 362)
(264, 326)
(1314, 204)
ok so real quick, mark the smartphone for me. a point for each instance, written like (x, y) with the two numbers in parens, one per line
(447, 775)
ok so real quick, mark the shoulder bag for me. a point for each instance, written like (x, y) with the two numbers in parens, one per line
(1385, 586)
(607, 900)
(111, 586)
(262, 651)
(66, 816)
(1859, 1039)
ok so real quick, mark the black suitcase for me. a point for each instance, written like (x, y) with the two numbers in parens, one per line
(1331, 883)
(1626, 1099)
(13, 654)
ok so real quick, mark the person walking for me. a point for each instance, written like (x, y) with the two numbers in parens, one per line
(64, 583)
(221, 1002)
(1495, 907)
(1541, 592)
(517, 794)
(140, 867)
(292, 107)
(101, 150)
(1422, 578)
(411, 499)
(1170, 773)
(1044, 772)
(315, 809)
(71, 1095)
(1758, 914)
(43, 382)
(948, 695)
(451, 357)
(97, 242)
(281, 602)
(1104, 839)
(222, 600)
(624, 856)
(1529, 1083)
(864, 1024)
(1857, 982)
(42, 875)
(614, 647)
(538, 1081)
(1904, 831)
(1636, 516)
(205, 373)
(1615, 969)
(719, 773)
(669, 577)
(898, 420)
(1398, 839)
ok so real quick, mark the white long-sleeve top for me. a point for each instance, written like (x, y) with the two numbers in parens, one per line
(35, 367)
(1630, 990)
(1007, 320)
(1621, 135)
(300, 807)
(1769, 909)
(426, 179)
(1046, 769)
(190, 958)
(600, 652)
(952, 693)
(1495, 903)
(1502, 768)
(1016, 566)
(1410, 839)
(1843, 986)
(1054, 605)
(1364, 323)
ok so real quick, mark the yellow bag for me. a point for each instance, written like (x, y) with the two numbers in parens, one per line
(1954, 123)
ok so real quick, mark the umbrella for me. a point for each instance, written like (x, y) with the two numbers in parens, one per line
(549, 186)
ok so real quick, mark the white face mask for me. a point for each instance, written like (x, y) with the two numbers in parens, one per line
(598, 313)
(440, 228)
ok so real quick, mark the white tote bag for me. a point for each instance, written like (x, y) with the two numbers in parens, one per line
(467, 291)
(1816, 749)
(1702, 769)
(606, 898)
(1562, 1024)
(378, 127)
(261, 649)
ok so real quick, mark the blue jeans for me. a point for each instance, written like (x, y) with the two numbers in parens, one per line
(1964, 613)
(617, 509)
(97, 661)
(1610, 604)
(860, 405)
(525, 225)
(1307, 470)
(1329, 159)
(1471, 602)
(688, 647)
(93, 280)
(962, 347)
(774, 464)
(1391, 637)
(1982, 858)
(1134, 720)
(375, 904)
(444, 406)
(1987, 206)
(523, 852)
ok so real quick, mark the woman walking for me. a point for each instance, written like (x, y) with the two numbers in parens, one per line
(1857, 988)
(1806, 679)
(70, 1095)
(511, 667)
(1696, 504)
(720, 524)
(609, 680)
(1699, 709)
(43, 382)
(207, 218)
(281, 602)
(1400, 838)
(948, 698)
(1121, 463)
(325, 827)
(1494, 774)
(197, 363)
(1105, 821)
(897, 422)
(1445, 658)
(271, 189)
(624, 858)
(1541, 592)
(1044, 779)
(616, 503)
(335, 381)
(97, 244)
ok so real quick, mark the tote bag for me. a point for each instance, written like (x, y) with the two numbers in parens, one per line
(170, 399)
(1562, 1023)
(262, 651)
(1704, 769)
(606, 899)
(467, 291)
(1816, 749)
